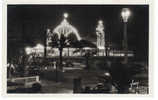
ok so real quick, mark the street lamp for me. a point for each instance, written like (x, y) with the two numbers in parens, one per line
(125, 16)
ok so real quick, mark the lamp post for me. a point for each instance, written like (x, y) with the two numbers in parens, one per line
(125, 16)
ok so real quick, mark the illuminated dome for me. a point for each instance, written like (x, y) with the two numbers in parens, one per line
(66, 29)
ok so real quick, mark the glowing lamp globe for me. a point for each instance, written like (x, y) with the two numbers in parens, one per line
(125, 14)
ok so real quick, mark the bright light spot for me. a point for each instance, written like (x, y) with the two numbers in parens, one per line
(48, 30)
(87, 48)
(66, 15)
(45, 68)
(39, 46)
(100, 22)
(128, 13)
(28, 50)
(101, 47)
(107, 74)
(125, 14)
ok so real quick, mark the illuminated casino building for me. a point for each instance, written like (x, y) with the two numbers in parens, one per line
(66, 29)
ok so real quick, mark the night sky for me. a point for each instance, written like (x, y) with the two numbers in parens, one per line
(27, 23)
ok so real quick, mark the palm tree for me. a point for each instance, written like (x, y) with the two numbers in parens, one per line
(63, 42)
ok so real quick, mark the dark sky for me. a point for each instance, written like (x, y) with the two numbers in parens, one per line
(29, 22)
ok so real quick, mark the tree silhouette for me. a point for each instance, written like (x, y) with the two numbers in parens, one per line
(61, 43)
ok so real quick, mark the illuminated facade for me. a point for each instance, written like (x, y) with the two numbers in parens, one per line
(65, 29)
